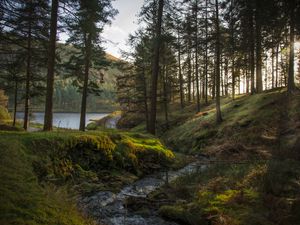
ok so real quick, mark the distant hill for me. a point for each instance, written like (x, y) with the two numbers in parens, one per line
(112, 58)
(67, 98)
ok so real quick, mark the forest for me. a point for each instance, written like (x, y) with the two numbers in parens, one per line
(195, 122)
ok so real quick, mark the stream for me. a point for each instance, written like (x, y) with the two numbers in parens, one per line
(109, 208)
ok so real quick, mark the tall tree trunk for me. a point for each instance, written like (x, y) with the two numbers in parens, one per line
(291, 82)
(145, 97)
(15, 102)
(273, 72)
(193, 80)
(266, 73)
(206, 52)
(165, 96)
(232, 51)
(221, 75)
(88, 49)
(197, 58)
(247, 82)
(226, 76)
(180, 74)
(155, 71)
(277, 63)
(51, 64)
(218, 50)
(259, 83)
(189, 75)
(28, 70)
(252, 48)
(213, 86)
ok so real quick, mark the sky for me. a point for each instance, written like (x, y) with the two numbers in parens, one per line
(124, 24)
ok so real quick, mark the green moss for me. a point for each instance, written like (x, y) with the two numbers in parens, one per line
(38, 170)
(23, 200)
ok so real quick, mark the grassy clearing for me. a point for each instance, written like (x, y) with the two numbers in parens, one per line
(42, 173)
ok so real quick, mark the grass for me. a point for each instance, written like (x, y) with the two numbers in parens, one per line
(262, 134)
(42, 173)
(242, 118)
(23, 199)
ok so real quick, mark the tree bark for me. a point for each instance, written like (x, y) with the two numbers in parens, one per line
(180, 74)
(291, 82)
(196, 58)
(206, 52)
(218, 50)
(259, 83)
(155, 71)
(232, 51)
(145, 98)
(88, 48)
(15, 102)
(252, 49)
(28, 70)
(165, 95)
(277, 63)
(189, 76)
(51, 64)
(226, 76)
(273, 72)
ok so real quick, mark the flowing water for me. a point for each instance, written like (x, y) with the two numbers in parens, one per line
(109, 208)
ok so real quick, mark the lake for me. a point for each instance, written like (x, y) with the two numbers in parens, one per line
(63, 120)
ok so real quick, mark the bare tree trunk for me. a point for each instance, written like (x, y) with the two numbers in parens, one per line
(221, 75)
(165, 95)
(277, 63)
(28, 71)
(226, 76)
(51, 64)
(155, 71)
(145, 98)
(291, 82)
(15, 103)
(189, 75)
(206, 52)
(218, 50)
(252, 49)
(193, 81)
(180, 74)
(196, 58)
(273, 72)
(88, 48)
(259, 84)
(232, 51)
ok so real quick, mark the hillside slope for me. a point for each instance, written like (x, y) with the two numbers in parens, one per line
(253, 175)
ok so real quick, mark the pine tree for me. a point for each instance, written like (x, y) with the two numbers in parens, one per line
(84, 30)
(26, 27)
(155, 71)
(51, 64)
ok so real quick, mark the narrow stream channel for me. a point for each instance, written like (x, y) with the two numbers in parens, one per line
(108, 208)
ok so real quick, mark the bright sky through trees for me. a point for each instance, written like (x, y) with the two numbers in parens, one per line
(123, 24)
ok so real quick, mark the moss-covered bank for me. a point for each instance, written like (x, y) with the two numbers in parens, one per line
(41, 174)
